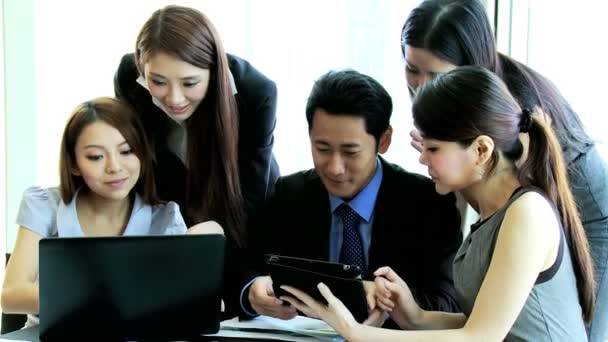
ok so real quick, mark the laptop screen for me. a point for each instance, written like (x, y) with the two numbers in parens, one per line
(136, 287)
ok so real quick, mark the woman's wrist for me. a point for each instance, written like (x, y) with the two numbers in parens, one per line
(419, 320)
(415, 321)
(433, 320)
(353, 332)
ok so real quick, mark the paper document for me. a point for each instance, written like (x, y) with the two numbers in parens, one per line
(298, 329)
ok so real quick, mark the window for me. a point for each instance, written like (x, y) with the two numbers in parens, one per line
(563, 41)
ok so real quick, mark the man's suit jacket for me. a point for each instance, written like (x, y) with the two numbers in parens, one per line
(256, 99)
(415, 231)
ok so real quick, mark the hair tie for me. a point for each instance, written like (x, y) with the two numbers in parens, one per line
(89, 105)
(525, 122)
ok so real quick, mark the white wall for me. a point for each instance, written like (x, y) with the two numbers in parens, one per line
(567, 43)
(76, 58)
(63, 52)
(19, 105)
(564, 41)
(2, 141)
(77, 46)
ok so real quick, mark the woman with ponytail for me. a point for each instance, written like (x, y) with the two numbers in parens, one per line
(440, 35)
(524, 273)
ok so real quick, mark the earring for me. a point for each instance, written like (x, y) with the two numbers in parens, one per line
(480, 172)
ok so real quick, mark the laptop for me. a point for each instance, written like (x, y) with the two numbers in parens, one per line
(130, 288)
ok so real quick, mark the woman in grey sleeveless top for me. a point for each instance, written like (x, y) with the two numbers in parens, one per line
(444, 34)
(551, 312)
(525, 272)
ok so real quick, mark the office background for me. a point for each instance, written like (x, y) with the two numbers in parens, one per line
(59, 53)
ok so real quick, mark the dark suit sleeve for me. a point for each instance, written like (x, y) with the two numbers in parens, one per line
(438, 292)
(259, 172)
(124, 78)
(235, 277)
(258, 167)
(261, 234)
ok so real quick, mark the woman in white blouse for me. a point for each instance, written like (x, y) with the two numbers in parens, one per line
(106, 189)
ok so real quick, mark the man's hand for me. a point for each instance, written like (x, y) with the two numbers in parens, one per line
(263, 301)
(376, 316)
(394, 296)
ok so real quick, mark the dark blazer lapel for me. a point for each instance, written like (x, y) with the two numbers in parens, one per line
(319, 220)
(387, 228)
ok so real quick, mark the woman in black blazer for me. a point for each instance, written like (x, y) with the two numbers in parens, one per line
(210, 118)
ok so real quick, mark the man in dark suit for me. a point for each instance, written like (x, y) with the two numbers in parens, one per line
(355, 207)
